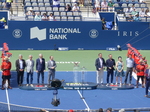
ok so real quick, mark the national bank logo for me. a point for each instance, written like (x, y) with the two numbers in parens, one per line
(40, 34)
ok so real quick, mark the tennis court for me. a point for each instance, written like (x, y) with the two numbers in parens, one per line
(71, 99)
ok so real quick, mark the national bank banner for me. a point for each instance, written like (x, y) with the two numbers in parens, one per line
(40, 35)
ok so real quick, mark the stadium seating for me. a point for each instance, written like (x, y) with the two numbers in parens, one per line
(45, 6)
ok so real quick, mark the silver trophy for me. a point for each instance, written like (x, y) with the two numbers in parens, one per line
(83, 75)
(76, 72)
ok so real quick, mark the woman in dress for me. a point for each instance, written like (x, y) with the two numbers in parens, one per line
(119, 70)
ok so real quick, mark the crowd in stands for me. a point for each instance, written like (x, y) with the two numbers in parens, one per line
(50, 13)
(133, 15)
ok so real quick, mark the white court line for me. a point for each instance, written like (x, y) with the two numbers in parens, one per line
(7, 96)
(84, 101)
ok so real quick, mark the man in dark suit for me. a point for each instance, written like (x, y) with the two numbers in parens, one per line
(20, 66)
(40, 68)
(51, 65)
(100, 64)
(110, 63)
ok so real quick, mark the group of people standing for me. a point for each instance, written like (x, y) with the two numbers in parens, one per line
(110, 65)
(142, 71)
(28, 65)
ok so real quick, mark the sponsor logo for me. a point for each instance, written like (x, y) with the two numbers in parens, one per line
(93, 33)
(40, 34)
(17, 33)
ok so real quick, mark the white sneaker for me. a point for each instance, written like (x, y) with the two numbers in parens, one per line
(116, 84)
(120, 84)
(27, 84)
(31, 85)
(107, 84)
(129, 84)
(112, 84)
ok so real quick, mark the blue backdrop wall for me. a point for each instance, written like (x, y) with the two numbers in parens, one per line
(77, 34)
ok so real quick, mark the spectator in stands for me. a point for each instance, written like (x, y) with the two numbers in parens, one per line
(104, 5)
(130, 18)
(51, 17)
(81, 2)
(147, 13)
(56, 3)
(110, 6)
(30, 13)
(68, 8)
(134, 12)
(75, 7)
(97, 5)
(100, 110)
(8, 5)
(136, 18)
(142, 13)
(128, 10)
(103, 24)
(37, 17)
(44, 17)
(133, 7)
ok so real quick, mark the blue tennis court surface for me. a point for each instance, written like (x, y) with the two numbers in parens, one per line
(71, 99)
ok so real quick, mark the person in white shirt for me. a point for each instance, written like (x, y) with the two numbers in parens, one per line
(130, 68)
(104, 6)
(142, 13)
(30, 13)
(44, 17)
(147, 13)
(97, 5)
(75, 8)
(51, 17)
